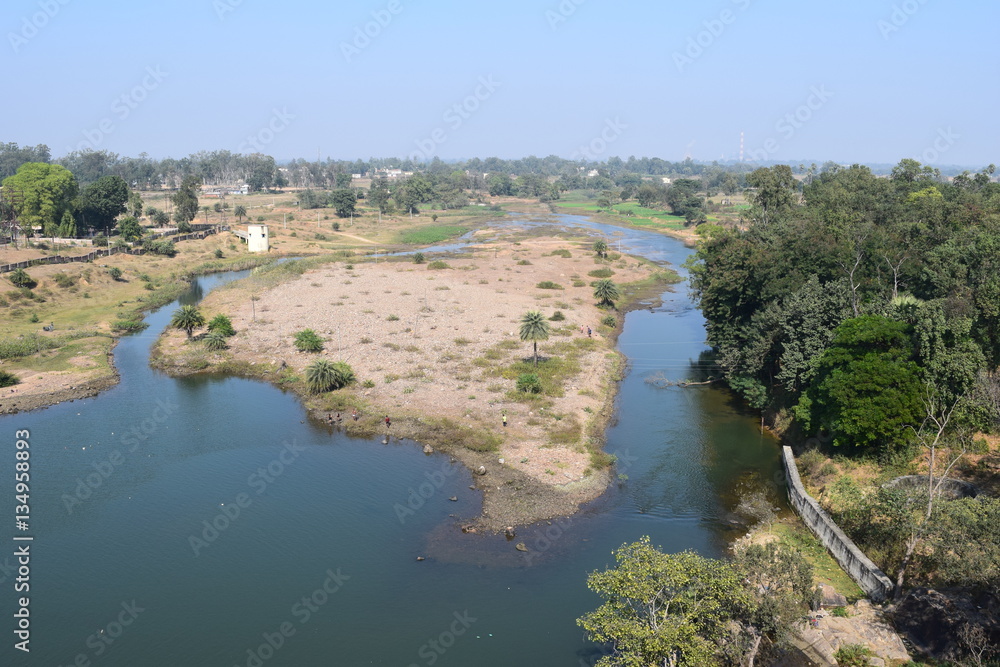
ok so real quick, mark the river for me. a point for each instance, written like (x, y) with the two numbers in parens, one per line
(206, 521)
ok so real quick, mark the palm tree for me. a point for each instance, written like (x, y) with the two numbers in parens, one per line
(20, 278)
(323, 375)
(239, 212)
(188, 318)
(534, 327)
(601, 248)
(606, 292)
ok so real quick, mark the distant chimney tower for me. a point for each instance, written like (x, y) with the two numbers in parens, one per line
(741, 145)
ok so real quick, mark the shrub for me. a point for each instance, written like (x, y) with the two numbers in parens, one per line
(115, 273)
(529, 383)
(20, 278)
(8, 379)
(216, 341)
(852, 655)
(557, 316)
(601, 273)
(392, 318)
(438, 264)
(308, 340)
(548, 284)
(562, 252)
(418, 258)
(840, 612)
(323, 375)
(164, 247)
(218, 253)
(128, 326)
(100, 241)
(609, 321)
(222, 325)
(524, 262)
(64, 280)
(33, 318)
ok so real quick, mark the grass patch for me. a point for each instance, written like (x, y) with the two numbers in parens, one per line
(825, 568)
(431, 234)
(548, 284)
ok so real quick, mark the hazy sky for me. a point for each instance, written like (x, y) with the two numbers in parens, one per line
(850, 81)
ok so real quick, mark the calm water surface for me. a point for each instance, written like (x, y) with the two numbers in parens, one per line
(141, 559)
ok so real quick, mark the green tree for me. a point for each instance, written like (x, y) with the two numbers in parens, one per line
(606, 292)
(161, 218)
(772, 193)
(104, 200)
(868, 389)
(187, 318)
(344, 201)
(67, 228)
(134, 205)
(601, 248)
(41, 193)
(115, 273)
(323, 376)
(379, 195)
(240, 212)
(129, 229)
(186, 199)
(534, 327)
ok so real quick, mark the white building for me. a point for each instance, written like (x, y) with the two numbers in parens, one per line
(255, 237)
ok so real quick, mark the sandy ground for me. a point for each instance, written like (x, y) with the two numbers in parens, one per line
(427, 343)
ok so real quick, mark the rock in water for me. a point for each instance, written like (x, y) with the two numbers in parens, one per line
(520, 546)
(420, 558)
(428, 449)
(510, 532)
(481, 470)
(453, 499)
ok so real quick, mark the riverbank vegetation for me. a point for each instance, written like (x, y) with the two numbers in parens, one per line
(861, 316)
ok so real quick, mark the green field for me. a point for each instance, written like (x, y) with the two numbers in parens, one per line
(630, 212)
(431, 234)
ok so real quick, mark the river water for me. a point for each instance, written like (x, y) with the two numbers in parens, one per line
(207, 522)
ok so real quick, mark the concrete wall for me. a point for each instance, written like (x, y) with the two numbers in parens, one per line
(861, 569)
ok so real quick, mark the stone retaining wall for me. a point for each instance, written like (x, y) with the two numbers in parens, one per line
(861, 569)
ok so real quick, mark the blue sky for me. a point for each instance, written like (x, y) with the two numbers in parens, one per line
(853, 81)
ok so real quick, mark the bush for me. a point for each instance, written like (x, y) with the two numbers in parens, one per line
(840, 612)
(308, 340)
(609, 321)
(528, 383)
(323, 376)
(128, 326)
(115, 273)
(557, 316)
(437, 264)
(524, 262)
(160, 247)
(222, 325)
(561, 252)
(218, 253)
(418, 258)
(64, 280)
(216, 341)
(601, 273)
(100, 241)
(853, 655)
(548, 284)
(8, 379)
(20, 278)
(392, 318)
